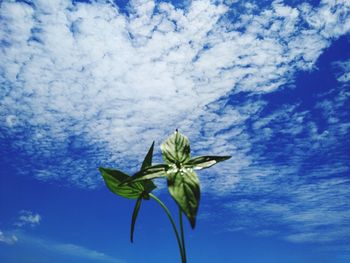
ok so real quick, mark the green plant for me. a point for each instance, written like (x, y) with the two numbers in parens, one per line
(183, 183)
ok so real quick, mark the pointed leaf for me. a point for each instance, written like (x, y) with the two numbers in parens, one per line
(203, 162)
(113, 180)
(176, 149)
(155, 171)
(134, 217)
(147, 162)
(148, 158)
(183, 185)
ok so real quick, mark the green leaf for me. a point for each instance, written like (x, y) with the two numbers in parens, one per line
(203, 162)
(134, 217)
(176, 149)
(113, 180)
(147, 162)
(148, 158)
(148, 185)
(183, 185)
(155, 171)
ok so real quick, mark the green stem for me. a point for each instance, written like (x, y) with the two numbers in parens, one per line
(182, 236)
(183, 258)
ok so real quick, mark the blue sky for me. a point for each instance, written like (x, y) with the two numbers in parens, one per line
(92, 83)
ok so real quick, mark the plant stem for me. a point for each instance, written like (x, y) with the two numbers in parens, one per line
(182, 236)
(183, 258)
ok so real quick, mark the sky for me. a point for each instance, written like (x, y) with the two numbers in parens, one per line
(92, 83)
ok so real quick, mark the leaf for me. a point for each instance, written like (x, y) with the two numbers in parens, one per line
(134, 217)
(113, 180)
(203, 162)
(148, 158)
(183, 185)
(147, 162)
(176, 149)
(155, 171)
(148, 185)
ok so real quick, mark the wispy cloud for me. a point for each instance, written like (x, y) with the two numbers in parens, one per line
(28, 218)
(79, 251)
(342, 71)
(116, 80)
(72, 250)
(59, 248)
(297, 179)
(8, 239)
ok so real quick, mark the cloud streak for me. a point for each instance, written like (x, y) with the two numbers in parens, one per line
(28, 218)
(65, 249)
(8, 238)
(297, 179)
(117, 80)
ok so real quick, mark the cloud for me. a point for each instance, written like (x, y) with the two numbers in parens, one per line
(343, 71)
(58, 248)
(69, 249)
(297, 179)
(79, 251)
(28, 218)
(117, 80)
(8, 239)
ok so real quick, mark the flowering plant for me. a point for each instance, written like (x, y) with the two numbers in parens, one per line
(179, 171)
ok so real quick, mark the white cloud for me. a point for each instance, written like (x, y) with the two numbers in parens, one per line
(87, 75)
(28, 218)
(66, 249)
(8, 238)
(79, 251)
(297, 179)
(343, 71)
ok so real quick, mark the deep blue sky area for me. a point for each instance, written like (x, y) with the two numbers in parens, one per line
(96, 219)
(85, 84)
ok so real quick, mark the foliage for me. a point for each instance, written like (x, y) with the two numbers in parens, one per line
(179, 171)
